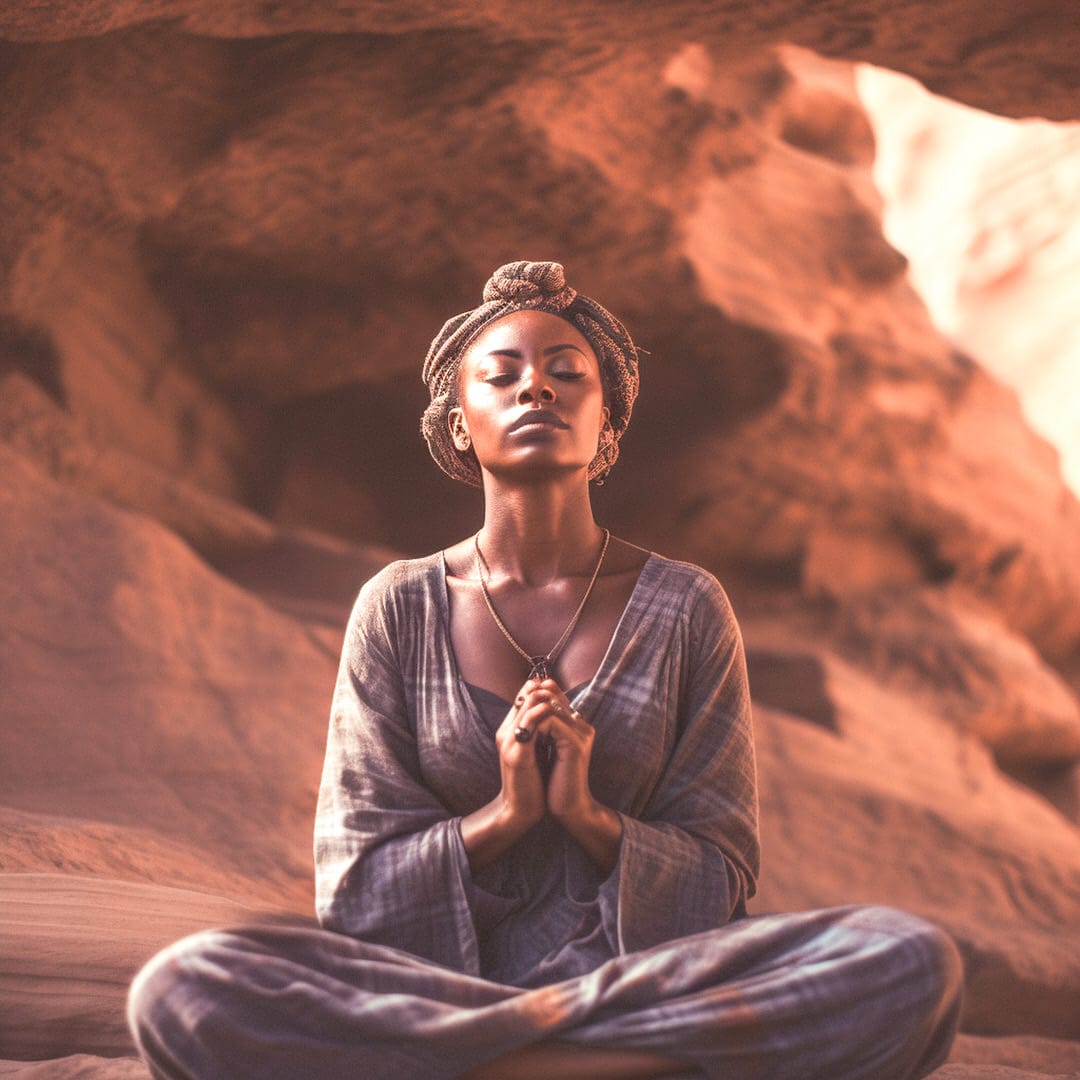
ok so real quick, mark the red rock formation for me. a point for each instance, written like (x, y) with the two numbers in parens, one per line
(142, 691)
(230, 231)
(52, 935)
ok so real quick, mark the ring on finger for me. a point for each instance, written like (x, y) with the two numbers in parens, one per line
(522, 734)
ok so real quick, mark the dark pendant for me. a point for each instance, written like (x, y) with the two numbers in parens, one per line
(539, 667)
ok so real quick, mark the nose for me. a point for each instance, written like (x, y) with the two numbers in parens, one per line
(535, 387)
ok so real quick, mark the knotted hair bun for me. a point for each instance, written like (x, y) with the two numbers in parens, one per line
(532, 286)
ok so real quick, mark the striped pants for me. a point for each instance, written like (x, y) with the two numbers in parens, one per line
(853, 993)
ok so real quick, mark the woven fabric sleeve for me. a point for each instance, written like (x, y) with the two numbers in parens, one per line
(390, 865)
(689, 862)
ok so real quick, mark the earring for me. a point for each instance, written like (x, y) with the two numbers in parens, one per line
(604, 451)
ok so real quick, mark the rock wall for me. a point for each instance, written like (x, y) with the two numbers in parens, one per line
(231, 230)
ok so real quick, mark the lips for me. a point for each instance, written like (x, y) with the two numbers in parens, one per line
(539, 417)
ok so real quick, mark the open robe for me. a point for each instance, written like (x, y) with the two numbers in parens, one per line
(410, 753)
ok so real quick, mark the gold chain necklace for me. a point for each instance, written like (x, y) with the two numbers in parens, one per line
(540, 666)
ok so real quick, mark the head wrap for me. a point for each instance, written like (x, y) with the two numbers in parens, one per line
(528, 286)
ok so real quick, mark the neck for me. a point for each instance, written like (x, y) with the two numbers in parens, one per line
(537, 533)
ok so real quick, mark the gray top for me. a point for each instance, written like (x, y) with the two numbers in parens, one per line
(410, 752)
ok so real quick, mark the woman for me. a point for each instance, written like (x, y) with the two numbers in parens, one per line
(537, 826)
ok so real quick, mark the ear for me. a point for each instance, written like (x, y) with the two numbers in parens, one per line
(459, 430)
(607, 414)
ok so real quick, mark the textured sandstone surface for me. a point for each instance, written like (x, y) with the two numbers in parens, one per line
(70, 947)
(77, 1067)
(141, 690)
(994, 1072)
(230, 230)
(1015, 61)
(1053, 1056)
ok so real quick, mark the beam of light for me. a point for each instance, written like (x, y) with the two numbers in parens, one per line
(987, 211)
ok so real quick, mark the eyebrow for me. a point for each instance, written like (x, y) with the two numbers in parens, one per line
(515, 354)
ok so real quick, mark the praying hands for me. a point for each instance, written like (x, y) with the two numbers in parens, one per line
(544, 748)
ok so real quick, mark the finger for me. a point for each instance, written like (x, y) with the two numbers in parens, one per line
(509, 734)
(537, 699)
(578, 718)
(541, 704)
(525, 693)
(518, 724)
(551, 687)
(547, 691)
(562, 708)
(536, 708)
(526, 696)
(562, 728)
(516, 751)
(533, 686)
(537, 686)
(527, 715)
(512, 713)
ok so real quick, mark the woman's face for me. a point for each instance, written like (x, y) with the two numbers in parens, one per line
(531, 396)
